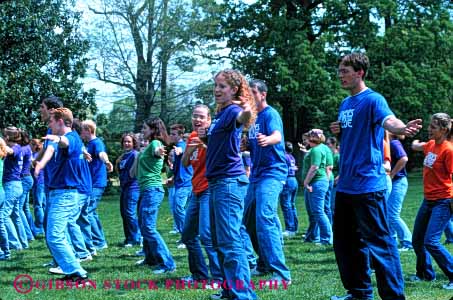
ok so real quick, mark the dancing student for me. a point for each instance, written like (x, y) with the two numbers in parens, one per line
(227, 180)
(66, 178)
(289, 194)
(360, 227)
(130, 190)
(196, 223)
(39, 196)
(99, 166)
(150, 163)
(27, 184)
(435, 211)
(12, 185)
(182, 176)
(5, 253)
(399, 189)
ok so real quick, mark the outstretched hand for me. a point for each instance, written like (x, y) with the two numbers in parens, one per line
(413, 127)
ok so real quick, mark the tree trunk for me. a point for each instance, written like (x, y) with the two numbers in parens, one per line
(163, 92)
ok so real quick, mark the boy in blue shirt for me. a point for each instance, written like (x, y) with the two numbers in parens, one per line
(360, 228)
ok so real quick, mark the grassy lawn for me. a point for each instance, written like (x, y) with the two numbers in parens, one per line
(313, 268)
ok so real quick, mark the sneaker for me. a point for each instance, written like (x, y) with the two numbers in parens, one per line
(345, 297)
(128, 245)
(56, 270)
(50, 264)
(140, 253)
(448, 286)
(181, 246)
(87, 258)
(256, 272)
(288, 234)
(77, 280)
(276, 281)
(140, 262)
(214, 285)
(161, 270)
(187, 278)
(415, 278)
(105, 246)
(174, 231)
(218, 296)
(404, 249)
(94, 253)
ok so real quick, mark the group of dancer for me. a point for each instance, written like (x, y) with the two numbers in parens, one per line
(234, 214)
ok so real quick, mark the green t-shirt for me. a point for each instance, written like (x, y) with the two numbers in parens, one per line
(329, 158)
(316, 156)
(150, 166)
(336, 161)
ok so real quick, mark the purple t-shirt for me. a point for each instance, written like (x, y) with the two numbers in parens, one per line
(291, 163)
(223, 157)
(397, 152)
(13, 165)
(26, 154)
(40, 178)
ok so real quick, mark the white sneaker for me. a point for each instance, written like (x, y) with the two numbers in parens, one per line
(174, 231)
(181, 246)
(140, 253)
(50, 264)
(448, 286)
(88, 258)
(140, 262)
(56, 270)
(288, 234)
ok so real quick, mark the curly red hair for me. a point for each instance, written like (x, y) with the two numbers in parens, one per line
(235, 79)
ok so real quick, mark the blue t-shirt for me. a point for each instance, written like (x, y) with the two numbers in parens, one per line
(224, 137)
(183, 175)
(267, 161)
(362, 117)
(124, 166)
(12, 166)
(291, 163)
(40, 178)
(27, 155)
(70, 169)
(397, 152)
(97, 167)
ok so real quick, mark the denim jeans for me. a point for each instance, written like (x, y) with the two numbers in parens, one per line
(327, 203)
(317, 198)
(128, 208)
(265, 222)
(39, 201)
(288, 204)
(179, 205)
(449, 232)
(226, 206)
(156, 251)
(312, 233)
(431, 220)
(25, 215)
(171, 204)
(4, 242)
(14, 226)
(97, 233)
(84, 222)
(360, 230)
(394, 206)
(196, 228)
(62, 208)
(74, 231)
(332, 200)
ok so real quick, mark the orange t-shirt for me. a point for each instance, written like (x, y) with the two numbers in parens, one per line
(437, 170)
(198, 162)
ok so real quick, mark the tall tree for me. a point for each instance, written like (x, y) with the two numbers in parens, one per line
(138, 42)
(41, 53)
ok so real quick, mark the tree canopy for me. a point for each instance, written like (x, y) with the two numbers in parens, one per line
(41, 53)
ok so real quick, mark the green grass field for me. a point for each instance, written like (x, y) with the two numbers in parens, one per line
(314, 271)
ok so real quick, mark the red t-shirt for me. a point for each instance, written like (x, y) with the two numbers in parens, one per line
(437, 170)
(198, 162)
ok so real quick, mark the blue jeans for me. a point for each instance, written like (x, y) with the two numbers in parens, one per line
(62, 208)
(179, 205)
(332, 200)
(196, 228)
(39, 201)
(25, 215)
(4, 242)
(226, 206)
(128, 208)
(156, 251)
(14, 226)
(171, 204)
(431, 220)
(312, 233)
(317, 200)
(360, 230)
(327, 202)
(264, 221)
(84, 222)
(74, 231)
(394, 206)
(288, 204)
(449, 232)
(97, 233)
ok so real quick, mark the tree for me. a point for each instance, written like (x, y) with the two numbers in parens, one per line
(139, 41)
(41, 53)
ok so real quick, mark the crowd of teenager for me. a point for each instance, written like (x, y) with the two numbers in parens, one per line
(225, 188)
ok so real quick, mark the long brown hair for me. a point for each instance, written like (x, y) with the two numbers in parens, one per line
(159, 129)
(235, 79)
